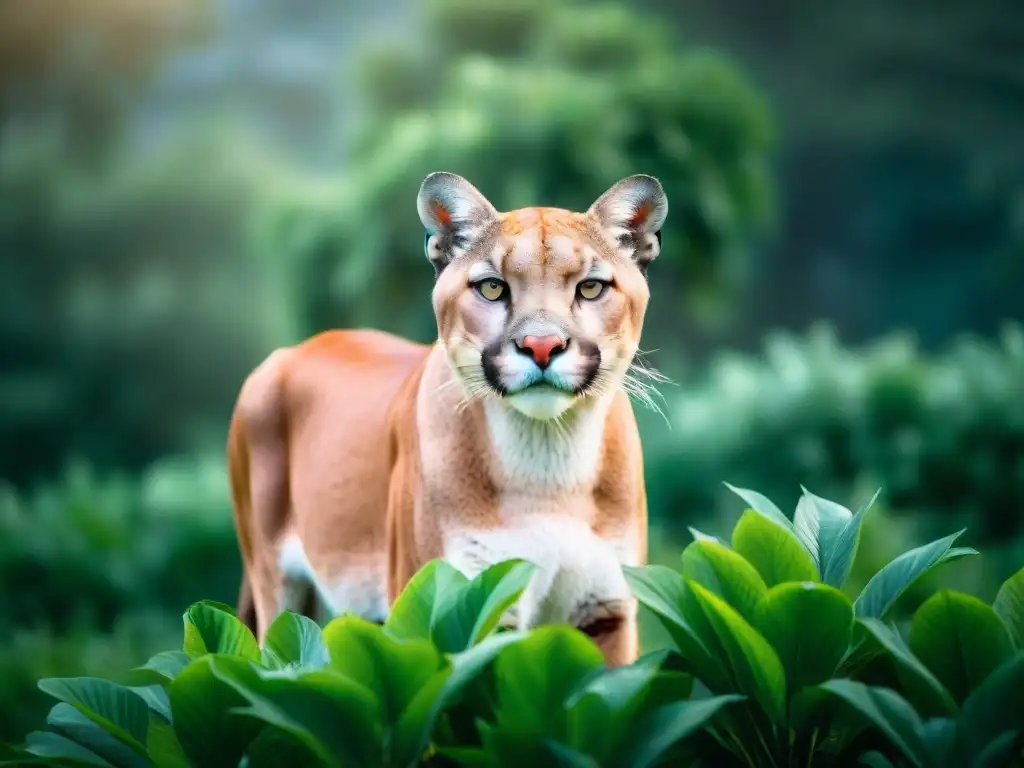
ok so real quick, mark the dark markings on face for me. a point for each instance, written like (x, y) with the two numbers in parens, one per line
(490, 368)
(590, 357)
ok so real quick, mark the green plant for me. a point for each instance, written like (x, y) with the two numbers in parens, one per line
(826, 679)
(775, 665)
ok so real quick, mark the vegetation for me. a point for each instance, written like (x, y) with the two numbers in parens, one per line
(773, 664)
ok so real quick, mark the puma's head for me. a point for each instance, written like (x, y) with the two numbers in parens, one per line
(541, 307)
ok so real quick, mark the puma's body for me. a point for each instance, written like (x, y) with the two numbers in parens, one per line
(356, 457)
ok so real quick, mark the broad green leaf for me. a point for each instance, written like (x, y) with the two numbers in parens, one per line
(74, 725)
(885, 710)
(335, 717)
(1009, 604)
(837, 558)
(471, 611)
(773, 550)
(753, 667)
(666, 726)
(809, 625)
(602, 710)
(939, 737)
(413, 614)
(160, 669)
(960, 639)
(163, 745)
(202, 711)
(113, 707)
(293, 640)
(662, 591)
(275, 748)
(535, 677)
(922, 688)
(567, 756)
(699, 536)
(886, 586)
(763, 505)
(818, 523)
(993, 709)
(52, 745)
(413, 729)
(210, 629)
(726, 573)
(393, 670)
(156, 699)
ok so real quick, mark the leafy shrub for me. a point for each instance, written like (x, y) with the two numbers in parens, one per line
(95, 569)
(943, 434)
(774, 665)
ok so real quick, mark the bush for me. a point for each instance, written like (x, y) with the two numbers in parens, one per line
(773, 664)
(95, 570)
(944, 434)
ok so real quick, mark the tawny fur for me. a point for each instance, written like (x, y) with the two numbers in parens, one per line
(356, 457)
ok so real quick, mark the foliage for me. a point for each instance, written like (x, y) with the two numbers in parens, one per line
(944, 434)
(792, 674)
(536, 103)
(95, 570)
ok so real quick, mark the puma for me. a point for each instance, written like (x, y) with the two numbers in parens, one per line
(356, 456)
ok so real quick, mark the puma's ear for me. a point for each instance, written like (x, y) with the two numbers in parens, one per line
(454, 213)
(632, 213)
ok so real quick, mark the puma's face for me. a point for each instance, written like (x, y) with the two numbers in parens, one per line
(541, 307)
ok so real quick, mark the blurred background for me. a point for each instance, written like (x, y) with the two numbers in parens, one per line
(187, 184)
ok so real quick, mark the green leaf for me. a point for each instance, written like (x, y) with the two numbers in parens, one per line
(412, 732)
(601, 711)
(275, 748)
(471, 610)
(763, 505)
(993, 709)
(818, 523)
(211, 629)
(293, 640)
(414, 612)
(113, 707)
(160, 669)
(1009, 604)
(74, 725)
(164, 748)
(887, 711)
(886, 586)
(535, 677)
(837, 557)
(725, 573)
(960, 639)
(662, 591)
(773, 550)
(335, 717)
(667, 726)
(52, 745)
(563, 755)
(922, 688)
(393, 670)
(810, 626)
(202, 711)
(753, 667)
(156, 699)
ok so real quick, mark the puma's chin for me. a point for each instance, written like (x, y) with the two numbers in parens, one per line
(541, 402)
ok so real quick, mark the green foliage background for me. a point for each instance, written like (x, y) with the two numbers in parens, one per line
(180, 192)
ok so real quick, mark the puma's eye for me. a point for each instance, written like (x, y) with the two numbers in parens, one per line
(492, 290)
(591, 289)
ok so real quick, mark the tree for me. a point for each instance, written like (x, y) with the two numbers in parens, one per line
(536, 103)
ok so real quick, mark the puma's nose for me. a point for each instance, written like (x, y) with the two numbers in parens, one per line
(541, 348)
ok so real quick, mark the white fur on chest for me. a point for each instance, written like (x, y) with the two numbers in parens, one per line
(545, 457)
(579, 575)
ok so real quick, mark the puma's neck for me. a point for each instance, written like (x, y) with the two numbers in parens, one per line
(545, 457)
